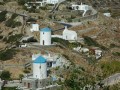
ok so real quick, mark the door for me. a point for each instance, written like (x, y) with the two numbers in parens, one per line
(43, 42)
(28, 85)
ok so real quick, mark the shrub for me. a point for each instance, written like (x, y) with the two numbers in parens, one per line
(43, 8)
(14, 16)
(32, 10)
(13, 38)
(26, 71)
(7, 54)
(21, 2)
(110, 68)
(9, 88)
(77, 80)
(112, 45)
(3, 16)
(29, 40)
(116, 53)
(5, 75)
(90, 42)
(66, 43)
(69, 19)
(62, 41)
(2, 3)
(1, 37)
(11, 23)
(31, 20)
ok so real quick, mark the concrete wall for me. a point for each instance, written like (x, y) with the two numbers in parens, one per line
(31, 82)
(35, 83)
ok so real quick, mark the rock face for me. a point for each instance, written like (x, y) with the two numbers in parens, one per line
(114, 79)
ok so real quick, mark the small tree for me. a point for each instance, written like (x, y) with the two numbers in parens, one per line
(21, 2)
(3, 16)
(5, 75)
(20, 77)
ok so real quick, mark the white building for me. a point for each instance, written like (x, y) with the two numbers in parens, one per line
(69, 34)
(98, 54)
(52, 1)
(81, 7)
(107, 14)
(34, 27)
(45, 36)
(23, 45)
(40, 3)
(81, 49)
(40, 68)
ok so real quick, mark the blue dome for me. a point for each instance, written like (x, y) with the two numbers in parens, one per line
(46, 29)
(40, 59)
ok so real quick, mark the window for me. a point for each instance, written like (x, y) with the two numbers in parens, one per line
(66, 37)
(40, 67)
(40, 82)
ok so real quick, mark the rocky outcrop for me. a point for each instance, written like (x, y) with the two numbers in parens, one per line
(114, 79)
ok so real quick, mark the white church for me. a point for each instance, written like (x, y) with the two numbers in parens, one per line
(69, 35)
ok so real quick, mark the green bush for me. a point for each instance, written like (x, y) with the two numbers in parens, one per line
(116, 53)
(31, 20)
(9, 88)
(32, 10)
(11, 23)
(43, 8)
(14, 16)
(29, 40)
(69, 19)
(110, 67)
(21, 2)
(3, 16)
(13, 38)
(1, 37)
(7, 54)
(78, 79)
(62, 41)
(2, 3)
(5, 75)
(90, 42)
(66, 43)
(113, 45)
(26, 71)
